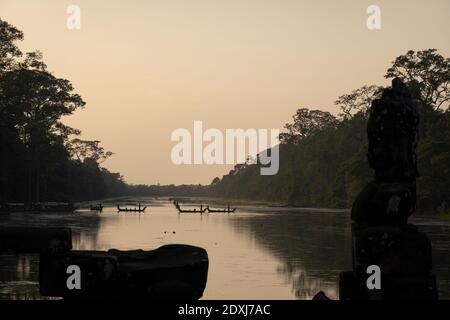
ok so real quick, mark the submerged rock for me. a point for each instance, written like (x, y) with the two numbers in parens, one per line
(320, 296)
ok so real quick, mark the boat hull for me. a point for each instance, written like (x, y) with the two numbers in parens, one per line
(131, 210)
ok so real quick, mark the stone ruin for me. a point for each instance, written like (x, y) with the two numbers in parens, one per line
(170, 272)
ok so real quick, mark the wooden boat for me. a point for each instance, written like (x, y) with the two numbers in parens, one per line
(97, 207)
(201, 210)
(139, 209)
(226, 210)
(192, 211)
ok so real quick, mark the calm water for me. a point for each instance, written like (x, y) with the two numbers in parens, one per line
(257, 253)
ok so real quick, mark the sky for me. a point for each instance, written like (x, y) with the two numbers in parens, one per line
(147, 68)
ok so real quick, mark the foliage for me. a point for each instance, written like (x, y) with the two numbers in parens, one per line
(427, 72)
(323, 158)
(36, 148)
(358, 101)
(307, 123)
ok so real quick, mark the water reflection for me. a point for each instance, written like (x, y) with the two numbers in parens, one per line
(18, 276)
(253, 255)
(439, 232)
(313, 247)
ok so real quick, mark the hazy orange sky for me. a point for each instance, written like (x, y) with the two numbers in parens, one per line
(146, 68)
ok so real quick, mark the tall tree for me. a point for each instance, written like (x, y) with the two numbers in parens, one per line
(9, 51)
(86, 149)
(35, 146)
(358, 101)
(306, 123)
(427, 73)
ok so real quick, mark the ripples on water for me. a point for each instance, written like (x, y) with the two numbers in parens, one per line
(257, 253)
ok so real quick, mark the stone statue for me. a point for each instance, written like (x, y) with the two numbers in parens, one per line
(381, 234)
(392, 130)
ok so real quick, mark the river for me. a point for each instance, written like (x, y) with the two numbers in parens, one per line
(257, 253)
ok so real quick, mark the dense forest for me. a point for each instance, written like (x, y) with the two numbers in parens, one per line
(323, 156)
(42, 159)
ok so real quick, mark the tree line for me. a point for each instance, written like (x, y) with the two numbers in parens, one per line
(323, 156)
(41, 158)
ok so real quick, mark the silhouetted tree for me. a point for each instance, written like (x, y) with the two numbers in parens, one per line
(323, 159)
(427, 73)
(35, 146)
(306, 123)
(85, 149)
(358, 101)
